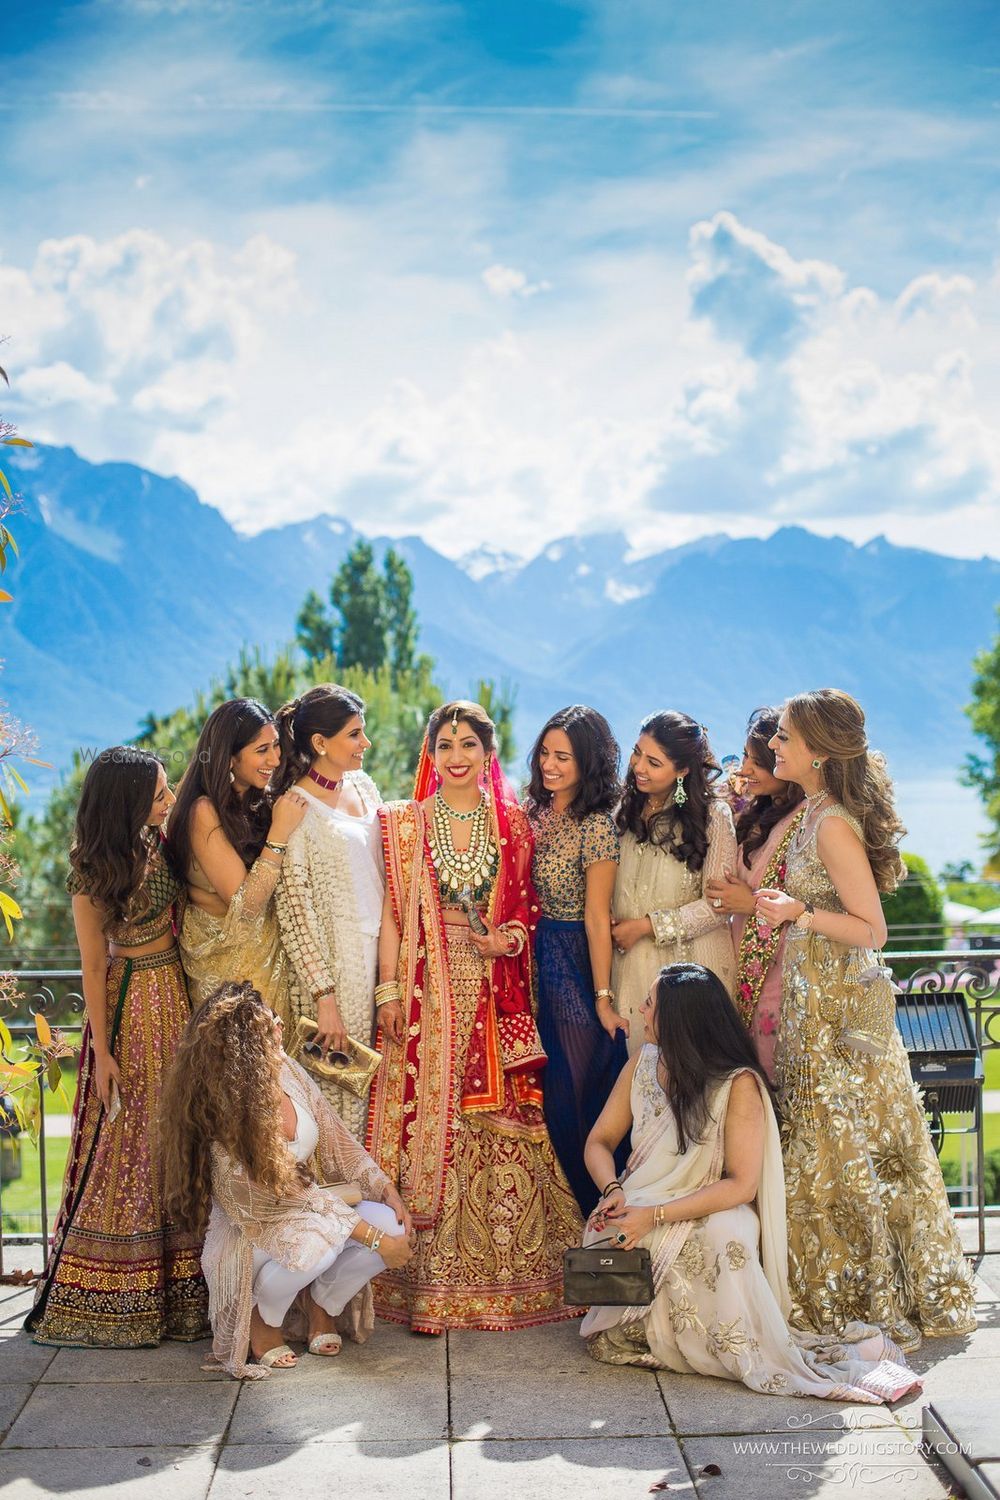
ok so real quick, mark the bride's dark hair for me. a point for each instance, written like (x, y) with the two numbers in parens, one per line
(701, 1040)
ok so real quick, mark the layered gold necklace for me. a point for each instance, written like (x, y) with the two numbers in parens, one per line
(474, 868)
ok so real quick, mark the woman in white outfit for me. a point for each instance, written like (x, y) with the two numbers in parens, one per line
(330, 894)
(704, 1194)
(254, 1154)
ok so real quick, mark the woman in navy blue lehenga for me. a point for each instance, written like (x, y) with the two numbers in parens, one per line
(573, 791)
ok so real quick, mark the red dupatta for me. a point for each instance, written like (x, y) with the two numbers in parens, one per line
(410, 1115)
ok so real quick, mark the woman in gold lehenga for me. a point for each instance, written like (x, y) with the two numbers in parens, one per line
(227, 838)
(456, 1120)
(119, 1274)
(870, 1234)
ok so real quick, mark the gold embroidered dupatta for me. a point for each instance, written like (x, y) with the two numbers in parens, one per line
(411, 1124)
(656, 1173)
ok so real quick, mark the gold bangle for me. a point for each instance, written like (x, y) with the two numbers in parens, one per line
(388, 992)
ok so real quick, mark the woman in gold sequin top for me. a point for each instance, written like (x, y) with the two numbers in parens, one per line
(119, 1276)
(871, 1237)
(227, 838)
(573, 790)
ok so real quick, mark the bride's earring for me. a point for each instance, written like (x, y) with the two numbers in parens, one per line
(680, 795)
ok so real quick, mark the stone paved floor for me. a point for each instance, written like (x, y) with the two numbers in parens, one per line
(467, 1417)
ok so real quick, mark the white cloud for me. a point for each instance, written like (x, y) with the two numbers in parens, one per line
(322, 367)
(507, 281)
(60, 384)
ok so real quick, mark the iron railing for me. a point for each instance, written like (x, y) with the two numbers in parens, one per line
(976, 974)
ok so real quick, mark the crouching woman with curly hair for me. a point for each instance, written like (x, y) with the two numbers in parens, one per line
(250, 1148)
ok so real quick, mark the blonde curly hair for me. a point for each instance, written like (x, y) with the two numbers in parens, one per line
(223, 1087)
(832, 724)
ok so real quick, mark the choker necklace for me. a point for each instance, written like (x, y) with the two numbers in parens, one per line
(327, 785)
(463, 817)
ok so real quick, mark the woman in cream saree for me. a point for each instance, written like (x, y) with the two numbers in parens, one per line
(704, 1193)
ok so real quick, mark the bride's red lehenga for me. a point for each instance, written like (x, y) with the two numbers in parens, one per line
(456, 1117)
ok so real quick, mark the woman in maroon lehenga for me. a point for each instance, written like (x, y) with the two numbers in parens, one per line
(118, 1275)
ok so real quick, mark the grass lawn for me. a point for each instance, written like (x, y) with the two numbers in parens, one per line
(21, 1200)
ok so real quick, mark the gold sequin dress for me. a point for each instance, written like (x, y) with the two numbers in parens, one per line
(243, 944)
(870, 1232)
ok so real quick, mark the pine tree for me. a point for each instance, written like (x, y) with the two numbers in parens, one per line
(314, 630)
(358, 594)
(401, 617)
(983, 771)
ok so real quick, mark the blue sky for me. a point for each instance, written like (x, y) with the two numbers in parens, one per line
(499, 272)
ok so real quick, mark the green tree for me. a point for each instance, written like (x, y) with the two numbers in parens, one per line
(499, 703)
(401, 619)
(314, 629)
(983, 771)
(358, 594)
(914, 912)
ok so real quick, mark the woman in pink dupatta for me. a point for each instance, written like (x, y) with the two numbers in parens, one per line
(456, 1118)
(704, 1192)
(768, 814)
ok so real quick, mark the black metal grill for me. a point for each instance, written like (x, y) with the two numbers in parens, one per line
(945, 1063)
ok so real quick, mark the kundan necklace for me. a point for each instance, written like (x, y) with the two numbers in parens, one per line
(475, 867)
(323, 781)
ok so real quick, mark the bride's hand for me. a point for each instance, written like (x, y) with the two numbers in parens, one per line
(493, 943)
(391, 1020)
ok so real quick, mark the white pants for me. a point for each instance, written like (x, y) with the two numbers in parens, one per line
(332, 1280)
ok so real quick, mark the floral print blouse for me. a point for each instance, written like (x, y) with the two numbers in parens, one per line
(564, 849)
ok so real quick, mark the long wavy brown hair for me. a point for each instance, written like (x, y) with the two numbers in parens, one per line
(244, 820)
(223, 1086)
(832, 724)
(112, 845)
(762, 813)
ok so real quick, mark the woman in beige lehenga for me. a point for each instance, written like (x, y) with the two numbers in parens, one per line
(676, 837)
(297, 1217)
(703, 1193)
(871, 1235)
(227, 838)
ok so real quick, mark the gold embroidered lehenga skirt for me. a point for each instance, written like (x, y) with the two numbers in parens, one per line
(118, 1276)
(870, 1231)
(492, 1259)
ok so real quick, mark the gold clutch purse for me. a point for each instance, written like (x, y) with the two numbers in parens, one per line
(352, 1070)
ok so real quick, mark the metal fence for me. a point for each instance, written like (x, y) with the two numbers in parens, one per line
(57, 994)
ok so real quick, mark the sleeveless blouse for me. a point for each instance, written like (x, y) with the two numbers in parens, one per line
(151, 909)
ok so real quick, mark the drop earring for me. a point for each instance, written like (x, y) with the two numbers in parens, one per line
(680, 795)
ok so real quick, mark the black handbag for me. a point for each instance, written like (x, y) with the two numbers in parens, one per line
(601, 1276)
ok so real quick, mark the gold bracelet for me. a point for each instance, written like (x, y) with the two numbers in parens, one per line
(388, 992)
